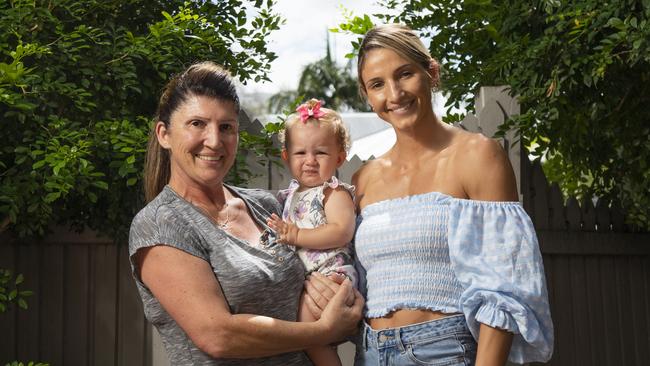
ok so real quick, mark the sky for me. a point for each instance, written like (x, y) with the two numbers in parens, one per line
(302, 39)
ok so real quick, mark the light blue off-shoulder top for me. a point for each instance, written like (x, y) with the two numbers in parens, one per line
(480, 258)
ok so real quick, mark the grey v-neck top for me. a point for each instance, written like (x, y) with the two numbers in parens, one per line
(264, 279)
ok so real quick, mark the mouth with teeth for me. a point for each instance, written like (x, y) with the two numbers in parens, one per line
(401, 107)
(209, 157)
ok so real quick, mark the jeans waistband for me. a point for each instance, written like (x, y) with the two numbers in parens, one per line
(411, 333)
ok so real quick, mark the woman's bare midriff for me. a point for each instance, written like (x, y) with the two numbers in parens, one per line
(404, 317)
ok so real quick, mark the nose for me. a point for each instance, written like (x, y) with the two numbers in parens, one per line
(212, 138)
(394, 91)
(311, 159)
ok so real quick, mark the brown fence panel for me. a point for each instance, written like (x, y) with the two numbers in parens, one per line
(27, 321)
(597, 271)
(85, 310)
(76, 309)
(131, 325)
(7, 319)
(51, 304)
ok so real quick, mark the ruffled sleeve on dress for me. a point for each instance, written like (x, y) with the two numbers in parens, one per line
(495, 256)
(334, 183)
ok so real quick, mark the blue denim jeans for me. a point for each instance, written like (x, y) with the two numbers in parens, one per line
(439, 342)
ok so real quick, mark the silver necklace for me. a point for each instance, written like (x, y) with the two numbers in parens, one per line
(221, 225)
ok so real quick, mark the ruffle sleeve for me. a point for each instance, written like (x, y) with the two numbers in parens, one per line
(334, 183)
(495, 256)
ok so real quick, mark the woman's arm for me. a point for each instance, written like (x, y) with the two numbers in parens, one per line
(487, 175)
(493, 346)
(337, 232)
(187, 289)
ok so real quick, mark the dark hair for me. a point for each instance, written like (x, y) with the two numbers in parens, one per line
(201, 79)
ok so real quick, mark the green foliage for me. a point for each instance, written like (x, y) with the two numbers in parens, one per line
(10, 291)
(581, 72)
(324, 80)
(79, 83)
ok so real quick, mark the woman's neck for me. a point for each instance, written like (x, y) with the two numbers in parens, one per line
(426, 137)
(206, 196)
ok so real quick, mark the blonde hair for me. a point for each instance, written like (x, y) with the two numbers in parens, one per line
(330, 118)
(403, 41)
(202, 79)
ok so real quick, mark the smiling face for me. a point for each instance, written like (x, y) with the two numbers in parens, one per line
(313, 154)
(202, 139)
(398, 90)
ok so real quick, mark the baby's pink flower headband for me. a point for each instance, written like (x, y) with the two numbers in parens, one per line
(311, 109)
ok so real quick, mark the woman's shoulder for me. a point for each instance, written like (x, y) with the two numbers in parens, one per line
(483, 167)
(368, 170)
(162, 209)
(468, 146)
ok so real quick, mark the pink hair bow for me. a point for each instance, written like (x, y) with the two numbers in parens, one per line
(309, 110)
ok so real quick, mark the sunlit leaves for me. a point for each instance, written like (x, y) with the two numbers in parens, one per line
(79, 84)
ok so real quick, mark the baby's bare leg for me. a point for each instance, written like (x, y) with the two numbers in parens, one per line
(322, 355)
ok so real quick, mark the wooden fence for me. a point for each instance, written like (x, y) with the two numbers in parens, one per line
(86, 310)
(598, 275)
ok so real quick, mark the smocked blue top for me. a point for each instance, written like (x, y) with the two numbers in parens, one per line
(480, 258)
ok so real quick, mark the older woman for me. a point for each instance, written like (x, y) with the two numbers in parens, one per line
(212, 279)
(449, 259)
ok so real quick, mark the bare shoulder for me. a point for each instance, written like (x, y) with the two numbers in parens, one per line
(367, 171)
(478, 149)
(484, 168)
(370, 171)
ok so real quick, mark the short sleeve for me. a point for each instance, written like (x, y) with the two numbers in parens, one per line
(163, 226)
(334, 183)
(495, 255)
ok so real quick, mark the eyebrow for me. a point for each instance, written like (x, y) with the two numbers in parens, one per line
(203, 118)
(397, 70)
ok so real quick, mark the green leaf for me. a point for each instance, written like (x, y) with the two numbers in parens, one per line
(100, 184)
(38, 164)
(167, 16)
(19, 279)
(51, 197)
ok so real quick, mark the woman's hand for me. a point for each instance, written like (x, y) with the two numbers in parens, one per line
(319, 290)
(339, 318)
(287, 232)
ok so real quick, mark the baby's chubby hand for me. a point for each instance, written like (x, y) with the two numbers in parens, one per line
(286, 232)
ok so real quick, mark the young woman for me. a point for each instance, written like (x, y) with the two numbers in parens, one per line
(448, 259)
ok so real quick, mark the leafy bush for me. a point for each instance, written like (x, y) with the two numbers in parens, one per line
(580, 69)
(79, 83)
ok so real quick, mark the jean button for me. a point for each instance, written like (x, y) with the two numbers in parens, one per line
(382, 338)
